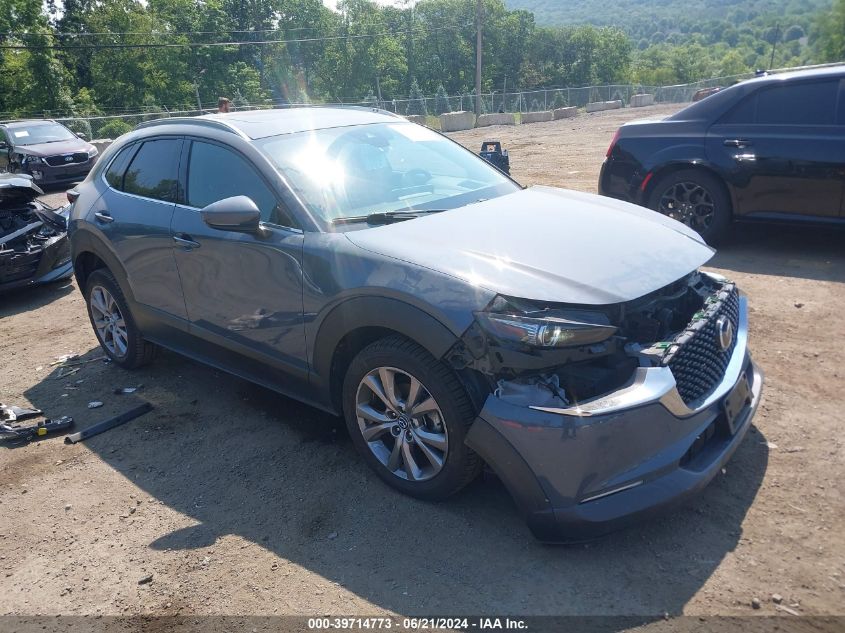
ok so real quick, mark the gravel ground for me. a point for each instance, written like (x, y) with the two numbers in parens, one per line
(239, 501)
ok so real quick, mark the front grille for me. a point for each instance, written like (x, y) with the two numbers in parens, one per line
(61, 160)
(696, 357)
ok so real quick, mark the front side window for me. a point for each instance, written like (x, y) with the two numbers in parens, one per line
(354, 171)
(216, 173)
(40, 133)
(154, 169)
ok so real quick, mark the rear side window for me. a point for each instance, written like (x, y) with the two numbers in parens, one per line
(215, 173)
(114, 174)
(805, 103)
(154, 169)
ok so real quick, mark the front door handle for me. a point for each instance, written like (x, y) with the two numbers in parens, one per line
(185, 241)
(105, 218)
(737, 142)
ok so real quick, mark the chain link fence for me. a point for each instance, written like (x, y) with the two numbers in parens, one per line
(113, 125)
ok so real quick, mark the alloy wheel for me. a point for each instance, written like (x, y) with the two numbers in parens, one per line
(108, 321)
(401, 423)
(690, 203)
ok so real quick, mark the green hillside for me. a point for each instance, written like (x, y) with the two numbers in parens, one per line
(679, 21)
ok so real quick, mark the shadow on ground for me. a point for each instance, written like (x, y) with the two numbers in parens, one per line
(242, 460)
(809, 252)
(31, 298)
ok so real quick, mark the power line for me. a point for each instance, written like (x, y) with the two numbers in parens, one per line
(230, 43)
(57, 34)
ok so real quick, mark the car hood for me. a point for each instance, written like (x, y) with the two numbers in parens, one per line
(55, 148)
(547, 244)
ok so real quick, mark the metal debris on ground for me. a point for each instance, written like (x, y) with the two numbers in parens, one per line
(11, 429)
(110, 423)
(96, 404)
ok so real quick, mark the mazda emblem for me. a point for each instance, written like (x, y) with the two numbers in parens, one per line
(724, 332)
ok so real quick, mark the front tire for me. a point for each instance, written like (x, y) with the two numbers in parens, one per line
(113, 323)
(408, 416)
(696, 199)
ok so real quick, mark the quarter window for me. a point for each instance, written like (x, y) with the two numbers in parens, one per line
(114, 174)
(215, 173)
(153, 171)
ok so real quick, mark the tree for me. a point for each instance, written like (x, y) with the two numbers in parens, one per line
(416, 101)
(830, 41)
(441, 101)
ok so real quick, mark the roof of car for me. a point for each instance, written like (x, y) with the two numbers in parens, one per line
(808, 73)
(27, 122)
(257, 124)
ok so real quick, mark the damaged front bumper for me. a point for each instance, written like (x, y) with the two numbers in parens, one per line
(583, 470)
(34, 246)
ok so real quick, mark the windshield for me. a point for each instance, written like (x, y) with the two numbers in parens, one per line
(351, 172)
(40, 133)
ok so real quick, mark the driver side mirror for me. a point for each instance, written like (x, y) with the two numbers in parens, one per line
(237, 213)
(3, 145)
(82, 135)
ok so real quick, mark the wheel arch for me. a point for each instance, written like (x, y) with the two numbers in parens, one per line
(360, 321)
(89, 254)
(668, 169)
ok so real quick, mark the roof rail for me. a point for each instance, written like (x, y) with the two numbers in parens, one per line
(183, 120)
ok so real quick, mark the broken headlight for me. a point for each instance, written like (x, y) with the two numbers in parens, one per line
(31, 160)
(544, 328)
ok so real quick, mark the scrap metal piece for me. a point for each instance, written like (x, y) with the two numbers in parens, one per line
(10, 413)
(105, 425)
(42, 428)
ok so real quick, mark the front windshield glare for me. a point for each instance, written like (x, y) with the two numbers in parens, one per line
(380, 168)
(40, 134)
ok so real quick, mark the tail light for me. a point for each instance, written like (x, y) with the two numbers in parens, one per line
(613, 143)
(72, 195)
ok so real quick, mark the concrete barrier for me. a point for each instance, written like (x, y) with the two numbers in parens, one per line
(537, 117)
(565, 113)
(638, 101)
(101, 143)
(598, 106)
(501, 118)
(455, 121)
(419, 119)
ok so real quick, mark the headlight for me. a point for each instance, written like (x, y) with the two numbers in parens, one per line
(93, 153)
(550, 331)
(31, 160)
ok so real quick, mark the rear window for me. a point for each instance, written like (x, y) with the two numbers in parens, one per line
(805, 103)
(154, 169)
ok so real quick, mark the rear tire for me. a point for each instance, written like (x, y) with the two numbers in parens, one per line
(696, 199)
(113, 323)
(415, 415)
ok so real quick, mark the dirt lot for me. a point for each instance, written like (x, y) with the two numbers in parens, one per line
(239, 501)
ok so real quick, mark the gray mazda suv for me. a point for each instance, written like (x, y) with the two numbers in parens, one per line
(378, 270)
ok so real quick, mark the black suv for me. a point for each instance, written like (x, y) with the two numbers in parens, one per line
(771, 148)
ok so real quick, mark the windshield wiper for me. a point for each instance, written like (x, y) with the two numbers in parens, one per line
(386, 217)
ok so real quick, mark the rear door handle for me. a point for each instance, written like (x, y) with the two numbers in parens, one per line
(737, 142)
(105, 218)
(185, 241)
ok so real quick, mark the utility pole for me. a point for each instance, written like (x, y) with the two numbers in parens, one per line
(774, 43)
(478, 12)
